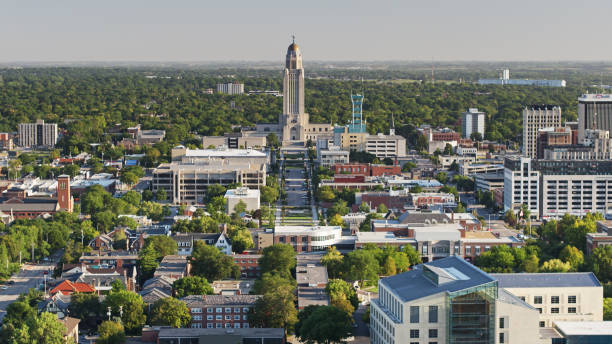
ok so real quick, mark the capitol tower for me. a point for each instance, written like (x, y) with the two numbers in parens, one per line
(293, 121)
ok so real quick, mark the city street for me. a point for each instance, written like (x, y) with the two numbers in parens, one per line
(30, 276)
(361, 332)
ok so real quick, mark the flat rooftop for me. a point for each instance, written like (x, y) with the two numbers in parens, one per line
(304, 229)
(168, 332)
(584, 328)
(222, 153)
(547, 280)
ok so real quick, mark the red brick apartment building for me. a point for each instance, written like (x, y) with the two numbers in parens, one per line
(249, 265)
(220, 311)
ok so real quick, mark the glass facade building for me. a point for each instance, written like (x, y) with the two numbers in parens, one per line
(471, 314)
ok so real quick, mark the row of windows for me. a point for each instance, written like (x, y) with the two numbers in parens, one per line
(433, 333)
(556, 310)
(220, 310)
(553, 299)
(220, 325)
(219, 317)
(415, 312)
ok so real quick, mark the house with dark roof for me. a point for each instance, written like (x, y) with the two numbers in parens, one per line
(568, 296)
(185, 241)
(57, 304)
(220, 311)
(449, 300)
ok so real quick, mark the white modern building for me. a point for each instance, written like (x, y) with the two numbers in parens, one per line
(308, 238)
(521, 185)
(536, 118)
(39, 134)
(473, 121)
(250, 198)
(433, 302)
(332, 156)
(231, 88)
(574, 296)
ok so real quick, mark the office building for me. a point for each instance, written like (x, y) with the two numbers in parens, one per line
(449, 301)
(473, 121)
(594, 112)
(39, 134)
(234, 140)
(220, 311)
(521, 185)
(536, 118)
(231, 88)
(332, 156)
(553, 188)
(571, 296)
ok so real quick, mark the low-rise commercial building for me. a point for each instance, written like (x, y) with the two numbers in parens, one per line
(311, 277)
(249, 264)
(332, 156)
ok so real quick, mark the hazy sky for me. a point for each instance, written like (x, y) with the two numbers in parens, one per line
(223, 30)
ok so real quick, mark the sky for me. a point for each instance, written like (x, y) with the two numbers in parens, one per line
(326, 30)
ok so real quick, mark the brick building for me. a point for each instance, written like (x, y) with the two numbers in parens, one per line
(220, 311)
(370, 170)
(249, 265)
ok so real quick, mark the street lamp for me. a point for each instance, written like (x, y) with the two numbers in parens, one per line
(108, 313)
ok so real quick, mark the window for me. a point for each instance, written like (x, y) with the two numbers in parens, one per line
(414, 315)
(218, 325)
(219, 317)
(522, 298)
(414, 333)
(542, 324)
(209, 325)
(245, 325)
(196, 310)
(237, 310)
(196, 317)
(209, 317)
(554, 299)
(539, 310)
(433, 314)
(571, 299)
(228, 317)
(196, 325)
(537, 300)
(236, 317)
(502, 338)
(245, 309)
(501, 323)
(219, 310)
(244, 317)
(554, 310)
(571, 310)
(433, 333)
(228, 310)
(228, 325)
(237, 325)
(209, 310)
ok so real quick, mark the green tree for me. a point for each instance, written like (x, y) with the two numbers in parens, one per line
(340, 207)
(336, 220)
(555, 265)
(161, 195)
(129, 178)
(389, 268)
(191, 285)
(210, 263)
(364, 208)
(278, 258)
(274, 310)
(111, 332)
(268, 194)
(325, 194)
(361, 265)
(323, 324)
(162, 245)
(242, 240)
(132, 197)
(333, 262)
(170, 312)
(340, 291)
(382, 209)
(87, 307)
(607, 309)
(240, 207)
(131, 304)
(147, 195)
(148, 261)
(46, 328)
(531, 264)
(414, 257)
(600, 262)
(572, 255)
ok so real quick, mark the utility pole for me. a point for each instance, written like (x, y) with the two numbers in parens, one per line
(32, 252)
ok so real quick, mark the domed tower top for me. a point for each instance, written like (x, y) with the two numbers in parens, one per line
(294, 56)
